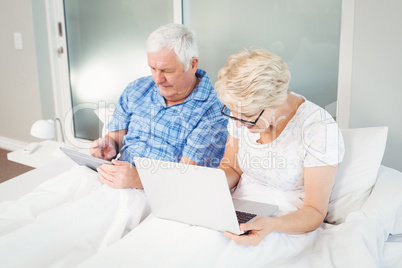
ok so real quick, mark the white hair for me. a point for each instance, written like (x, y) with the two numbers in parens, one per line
(176, 37)
(253, 80)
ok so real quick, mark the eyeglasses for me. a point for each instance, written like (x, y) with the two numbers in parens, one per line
(245, 122)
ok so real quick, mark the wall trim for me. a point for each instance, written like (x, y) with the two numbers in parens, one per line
(59, 66)
(345, 63)
(177, 11)
(11, 144)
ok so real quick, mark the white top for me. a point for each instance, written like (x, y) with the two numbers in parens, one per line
(310, 139)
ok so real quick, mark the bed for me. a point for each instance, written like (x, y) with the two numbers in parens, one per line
(62, 216)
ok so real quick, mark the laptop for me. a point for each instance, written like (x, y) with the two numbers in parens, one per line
(84, 159)
(195, 195)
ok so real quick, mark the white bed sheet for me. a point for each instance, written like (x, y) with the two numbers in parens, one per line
(79, 221)
(18, 186)
(66, 220)
(358, 242)
(161, 243)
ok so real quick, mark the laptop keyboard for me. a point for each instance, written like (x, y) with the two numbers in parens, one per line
(243, 217)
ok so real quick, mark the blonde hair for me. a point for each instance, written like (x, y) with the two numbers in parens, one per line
(253, 80)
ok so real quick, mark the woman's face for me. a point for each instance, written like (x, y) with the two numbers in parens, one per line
(265, 122)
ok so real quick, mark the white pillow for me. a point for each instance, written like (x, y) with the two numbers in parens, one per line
(364, 149)
(398, 222)
(385, 202)
(104, 115)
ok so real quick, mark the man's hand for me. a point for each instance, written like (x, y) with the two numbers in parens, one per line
(121, 174)
(103, 148)
(256, 231)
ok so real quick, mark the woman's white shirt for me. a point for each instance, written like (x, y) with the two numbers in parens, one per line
(310, 139)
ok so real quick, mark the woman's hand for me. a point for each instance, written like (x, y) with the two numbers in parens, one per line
(256, 231)
(318, 182)
(121, 174)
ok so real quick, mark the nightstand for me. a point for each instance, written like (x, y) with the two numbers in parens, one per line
(47, 152)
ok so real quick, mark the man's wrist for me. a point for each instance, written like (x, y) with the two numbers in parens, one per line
(113, 142)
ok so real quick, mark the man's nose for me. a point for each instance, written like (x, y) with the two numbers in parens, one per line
(159, 77)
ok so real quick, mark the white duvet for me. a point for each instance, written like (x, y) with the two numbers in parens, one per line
(66, 220)
(162, 243)
(73, 220)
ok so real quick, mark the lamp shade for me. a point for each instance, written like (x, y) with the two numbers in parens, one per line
(43, 129)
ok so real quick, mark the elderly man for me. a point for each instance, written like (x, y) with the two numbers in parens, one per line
(173, 115)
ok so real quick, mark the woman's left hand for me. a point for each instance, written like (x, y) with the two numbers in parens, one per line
(256, 231)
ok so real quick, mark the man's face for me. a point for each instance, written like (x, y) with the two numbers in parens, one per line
(168, 73)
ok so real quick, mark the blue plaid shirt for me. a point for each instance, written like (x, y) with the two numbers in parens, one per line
(194, 129)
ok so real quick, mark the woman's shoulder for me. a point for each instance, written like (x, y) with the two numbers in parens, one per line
(310, 113)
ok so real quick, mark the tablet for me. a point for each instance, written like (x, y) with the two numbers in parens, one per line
(84, 159)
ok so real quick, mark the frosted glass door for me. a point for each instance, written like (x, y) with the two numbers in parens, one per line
(106, 50)
(305, 33)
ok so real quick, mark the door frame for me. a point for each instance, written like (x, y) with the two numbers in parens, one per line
(59, 67)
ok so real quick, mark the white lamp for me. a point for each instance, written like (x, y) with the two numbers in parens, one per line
(44, 129)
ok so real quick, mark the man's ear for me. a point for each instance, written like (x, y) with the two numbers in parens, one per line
(194, 64)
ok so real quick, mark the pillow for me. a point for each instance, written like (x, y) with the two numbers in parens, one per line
(398, 222)
(385, 202)
(356, 175)
(104, 115)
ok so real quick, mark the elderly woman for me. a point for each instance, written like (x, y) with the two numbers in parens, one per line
(277, 139)
(282, 149)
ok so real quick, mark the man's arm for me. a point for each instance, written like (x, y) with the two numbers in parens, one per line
(206, 143)
(185, 160)
(117, 136)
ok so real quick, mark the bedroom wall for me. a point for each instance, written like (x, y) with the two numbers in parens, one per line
(26, 95)
(19, 86)
(376, 87)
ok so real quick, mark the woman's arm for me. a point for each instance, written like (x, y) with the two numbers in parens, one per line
(318, 183)
(229, 163)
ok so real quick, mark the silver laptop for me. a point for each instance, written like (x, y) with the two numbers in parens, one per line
(195, 195)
